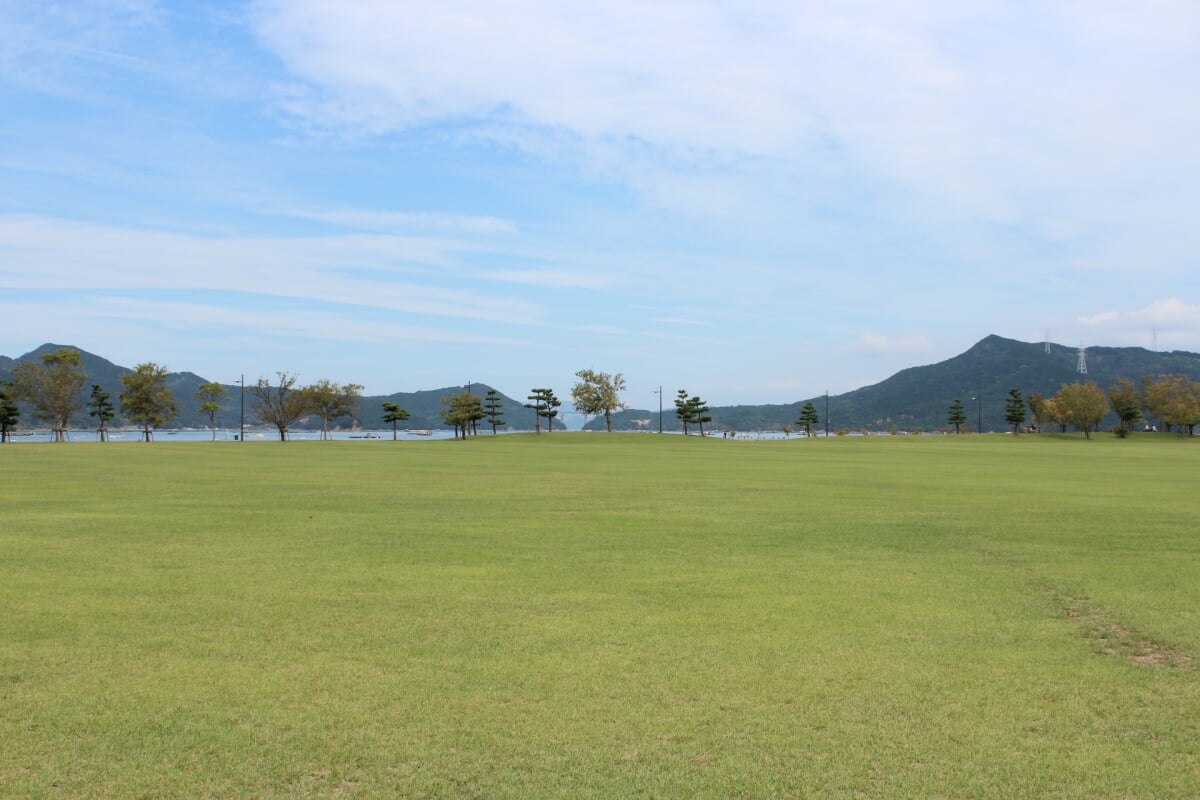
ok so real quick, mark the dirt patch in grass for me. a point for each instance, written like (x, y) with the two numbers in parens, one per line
(1112, 638)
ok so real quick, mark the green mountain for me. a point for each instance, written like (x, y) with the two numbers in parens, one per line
(424, 407)
(919, 397)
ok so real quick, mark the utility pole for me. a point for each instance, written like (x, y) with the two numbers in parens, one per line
(242, 431)
(659, 393)
(826, 413)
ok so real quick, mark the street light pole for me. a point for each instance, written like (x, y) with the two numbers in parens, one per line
(242, 433)
(826, 413)
(659, 393)
(978, 398)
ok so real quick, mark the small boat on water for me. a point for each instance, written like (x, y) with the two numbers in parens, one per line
(412, 432)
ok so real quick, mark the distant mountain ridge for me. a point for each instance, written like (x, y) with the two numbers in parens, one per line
(920, 397)
(917, 397)
(424, 407)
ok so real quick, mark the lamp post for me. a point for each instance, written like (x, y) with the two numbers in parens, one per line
(659, 393)
(826, 413)
(242, 431)
(978, 398)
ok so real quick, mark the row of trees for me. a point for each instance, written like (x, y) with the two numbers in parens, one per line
(1173, 399)
(52, 388)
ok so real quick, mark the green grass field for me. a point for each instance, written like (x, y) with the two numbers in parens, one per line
(596, 616)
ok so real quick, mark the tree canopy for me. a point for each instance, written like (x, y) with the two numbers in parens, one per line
(808, 417)
(211, 396)
(1081, 405)
(493, 407)
(598, 393)
(1126, 403)
(52, 387)
(281, 404)
(545, 405)
(1014, 410)
(10, 414)
(463, 411)
(330, 400)
(393, 414)
(102, 409)
(957, 416)
(1174, 399)
(147, 400)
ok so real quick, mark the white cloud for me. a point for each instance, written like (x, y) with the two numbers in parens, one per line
(1165, 324)
(1063, 120)
(558, 278)
(54, 254)
(1099, 319)
(405, 221)
(871, 343)
(681, 321)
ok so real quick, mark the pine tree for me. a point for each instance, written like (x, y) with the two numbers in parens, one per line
(493, 406)
(1014, 410)
(958, 415)
(102, 409)
(808, 417)
(394, 414)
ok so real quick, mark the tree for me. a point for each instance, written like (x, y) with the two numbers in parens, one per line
(684, 410)
(147, 400)
(808, 417)
(282, 405)
(598, 393)
(52, 388)
(211, 396)
(394, 414)
(545, 406)
(1082, 405)
(10, 414)
(1014, 410)
(102, 409)
(462, 411)
(1038, 409)
(493, 407)
(1174, 399)
(1126, 403)
(699, 412)
(958, 415)
(330, 400)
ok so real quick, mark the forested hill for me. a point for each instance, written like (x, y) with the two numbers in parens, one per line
(919, 397)
(424, 406)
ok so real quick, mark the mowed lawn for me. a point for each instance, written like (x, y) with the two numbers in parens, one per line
(602, 616)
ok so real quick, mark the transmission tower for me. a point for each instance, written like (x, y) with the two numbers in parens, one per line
(1081, 366)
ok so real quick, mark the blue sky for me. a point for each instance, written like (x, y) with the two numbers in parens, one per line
(757, 202)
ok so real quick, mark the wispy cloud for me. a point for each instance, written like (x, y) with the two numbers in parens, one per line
(1061, 120)
(681, 321)
(870, 343)
(395, 221)
(47, 254)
